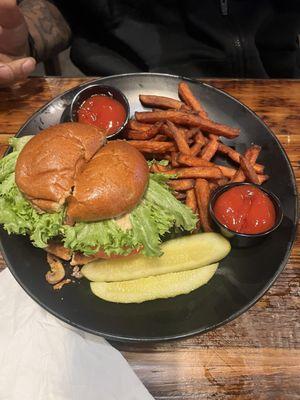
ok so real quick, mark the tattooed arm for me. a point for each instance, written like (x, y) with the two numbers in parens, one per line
(50, 32)
(37, 19)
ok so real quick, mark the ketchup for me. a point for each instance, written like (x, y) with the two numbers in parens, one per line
(102, 111)
(245, 209)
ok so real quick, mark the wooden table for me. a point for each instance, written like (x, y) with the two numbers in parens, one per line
(257, 356)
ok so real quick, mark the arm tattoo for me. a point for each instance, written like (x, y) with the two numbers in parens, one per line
(46, 25)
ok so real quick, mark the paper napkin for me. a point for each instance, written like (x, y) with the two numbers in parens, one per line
(41, 358)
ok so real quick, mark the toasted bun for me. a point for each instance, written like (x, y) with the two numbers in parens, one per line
(111, 183)
(49, 163)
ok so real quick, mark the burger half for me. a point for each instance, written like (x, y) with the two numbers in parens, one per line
(68, 188)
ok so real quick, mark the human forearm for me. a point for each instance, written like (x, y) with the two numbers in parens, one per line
(46, 25)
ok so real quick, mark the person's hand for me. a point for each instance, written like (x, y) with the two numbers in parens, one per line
(15, 64)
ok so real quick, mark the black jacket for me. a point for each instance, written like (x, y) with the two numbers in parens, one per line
(196, 38)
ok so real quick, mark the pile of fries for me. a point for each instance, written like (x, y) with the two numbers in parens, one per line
(182, 133)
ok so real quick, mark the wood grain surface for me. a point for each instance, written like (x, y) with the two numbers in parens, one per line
(257, 356)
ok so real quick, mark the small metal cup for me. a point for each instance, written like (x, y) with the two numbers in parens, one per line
(94, 89)
(244, 239)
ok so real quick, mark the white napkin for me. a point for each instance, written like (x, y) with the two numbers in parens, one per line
(42, 358)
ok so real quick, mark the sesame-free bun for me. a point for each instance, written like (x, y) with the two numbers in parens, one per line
(49, 163)
(111, 184)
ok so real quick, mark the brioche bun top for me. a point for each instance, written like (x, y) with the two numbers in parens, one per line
(48, 164)
(111, 184)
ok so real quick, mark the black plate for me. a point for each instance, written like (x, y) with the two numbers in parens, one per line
(242, 278)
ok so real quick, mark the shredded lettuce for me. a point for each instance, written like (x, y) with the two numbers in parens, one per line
(157, 214)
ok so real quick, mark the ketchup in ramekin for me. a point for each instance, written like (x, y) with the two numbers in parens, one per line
(103, 106)
(245, 209)
(102, 111)
(245, 213)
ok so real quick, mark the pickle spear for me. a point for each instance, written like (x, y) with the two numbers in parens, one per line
(181, 254)
(154, 287)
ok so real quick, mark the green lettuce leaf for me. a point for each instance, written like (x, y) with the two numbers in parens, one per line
(16, 213)
(90, 237)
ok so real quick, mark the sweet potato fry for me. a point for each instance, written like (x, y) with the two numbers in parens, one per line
(160, 138)
(202, 192)
(174, 161)
(211, 136)
(160, 102)
(191, 161)
(190, 133)
(187, 133)
(239, 176)
(136, 135)
(213, 186)
(262, 178)
(195, 149)
(228, 172)
(209, 150)
(148, 146)
(222, 181)
(145, 135)
(185, 108)
(162, 168)
(164, 130)
(179, 138)
(181, 118)
(138, 126)
(200, 141)
(196, 172)
(181, 184)
(249, 170)
(199, 162)
(191, 200)
(187, 96)
(251, 154)
(154, 168)
(235, 156)
(200, 138)
(179, 195)
(231, 153)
